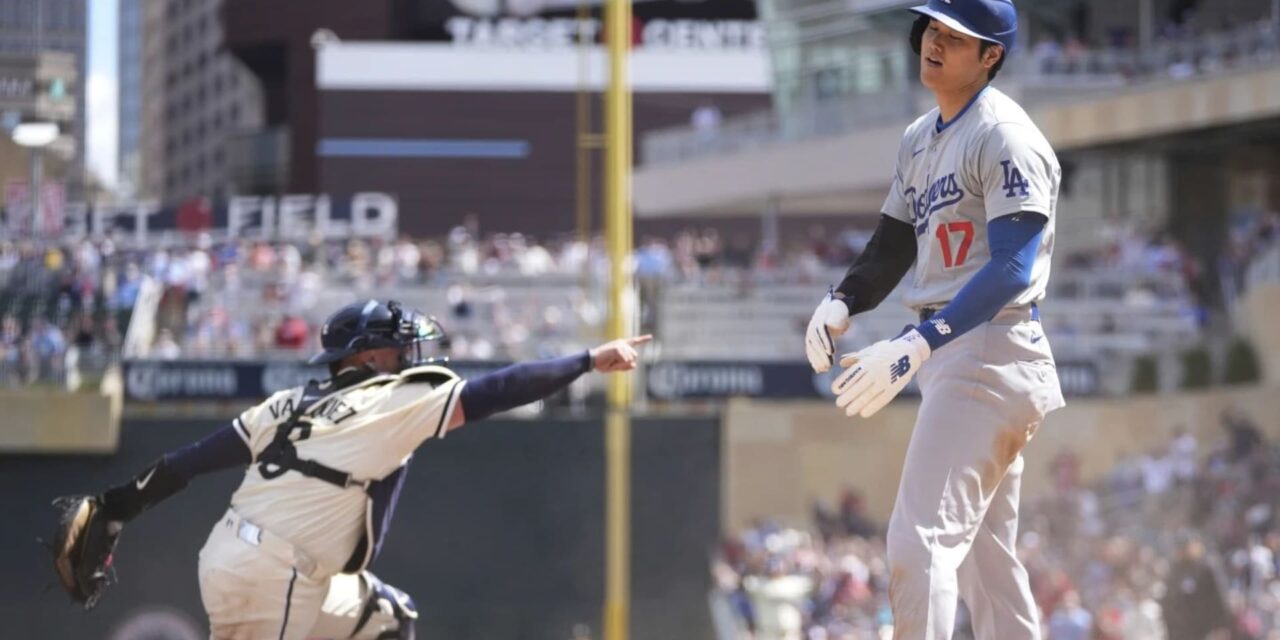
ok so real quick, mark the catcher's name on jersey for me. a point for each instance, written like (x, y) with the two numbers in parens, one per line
(332, 409)
(989, 161)
(368, 430)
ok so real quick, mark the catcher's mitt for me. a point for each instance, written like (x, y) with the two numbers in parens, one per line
(82, 547)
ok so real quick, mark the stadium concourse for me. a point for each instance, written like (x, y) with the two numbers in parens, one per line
(508, 296)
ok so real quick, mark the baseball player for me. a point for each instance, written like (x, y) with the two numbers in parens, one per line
(325, 465)
(972, 208)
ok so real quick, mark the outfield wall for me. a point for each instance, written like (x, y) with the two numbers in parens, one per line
(780, 457)
(50, 420)
(499, 533)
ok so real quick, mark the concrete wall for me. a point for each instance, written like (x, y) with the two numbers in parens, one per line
(851, 171)
(53, 421)
(499, 533)
(1258, 314)
(780, 457)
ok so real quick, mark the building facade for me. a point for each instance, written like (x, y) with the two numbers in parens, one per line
(194, 98)
(129, 76)
(29, 27)
(38, 88)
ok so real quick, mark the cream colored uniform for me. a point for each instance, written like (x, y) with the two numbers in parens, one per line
(272, 566)
(955, 521)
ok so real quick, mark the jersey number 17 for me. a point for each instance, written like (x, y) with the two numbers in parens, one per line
(963, 229)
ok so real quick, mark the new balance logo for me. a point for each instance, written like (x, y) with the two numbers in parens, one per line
(899, 369)
(941, 325)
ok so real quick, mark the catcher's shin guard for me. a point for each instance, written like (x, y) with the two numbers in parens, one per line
(385, 597)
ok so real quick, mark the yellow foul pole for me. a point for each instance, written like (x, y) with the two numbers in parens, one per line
(618, 156)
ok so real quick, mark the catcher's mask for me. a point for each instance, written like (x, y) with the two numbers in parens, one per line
(364, 326)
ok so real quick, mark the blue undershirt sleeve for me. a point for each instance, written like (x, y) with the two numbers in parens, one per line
(222, 449)
(520, 384)
(1014, 241)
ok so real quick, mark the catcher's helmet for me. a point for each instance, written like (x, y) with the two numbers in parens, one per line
(991, 20)
(363, 326)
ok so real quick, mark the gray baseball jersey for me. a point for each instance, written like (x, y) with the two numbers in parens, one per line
(990, 161)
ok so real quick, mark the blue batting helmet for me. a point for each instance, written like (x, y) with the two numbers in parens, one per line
(991, 20)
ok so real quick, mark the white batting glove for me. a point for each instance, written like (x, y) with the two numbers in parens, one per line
(830, 321)
(877, 374)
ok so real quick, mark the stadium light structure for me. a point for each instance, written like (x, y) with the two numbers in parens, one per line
(35, 136)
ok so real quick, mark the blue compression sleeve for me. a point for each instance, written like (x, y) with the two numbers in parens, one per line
(222, 449)
(520, 384)
(1014, 241)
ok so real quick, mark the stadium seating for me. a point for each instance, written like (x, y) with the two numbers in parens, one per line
(1089, 313)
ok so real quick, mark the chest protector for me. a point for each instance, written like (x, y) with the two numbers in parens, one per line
(381, 494)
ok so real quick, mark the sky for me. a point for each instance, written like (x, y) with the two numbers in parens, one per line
(102, 87)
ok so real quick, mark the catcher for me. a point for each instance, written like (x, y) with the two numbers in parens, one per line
(325, 464)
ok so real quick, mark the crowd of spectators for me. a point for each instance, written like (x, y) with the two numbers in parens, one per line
(1178, 542)
(244, 298)
(1178, 50)
(1156, 269)
(248, 298)
(61, 306)
(1253, 238)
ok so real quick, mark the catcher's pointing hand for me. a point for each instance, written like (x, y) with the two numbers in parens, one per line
(618, 355)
